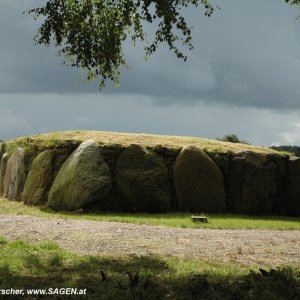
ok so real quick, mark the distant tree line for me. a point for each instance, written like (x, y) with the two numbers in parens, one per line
(293, 149)
(232, 138)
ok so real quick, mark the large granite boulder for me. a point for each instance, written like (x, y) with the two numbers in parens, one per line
(15, 175)
(39, 179)
(3, 165)
(143, 180)
(253, 186)
(2, 149)
(2, 169)
(198, 182)
(84, 178)
(290, 202)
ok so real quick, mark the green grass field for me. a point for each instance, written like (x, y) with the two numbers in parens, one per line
(42, 266)
(182, 220)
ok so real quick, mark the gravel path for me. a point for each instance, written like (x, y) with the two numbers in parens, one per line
(247, 247)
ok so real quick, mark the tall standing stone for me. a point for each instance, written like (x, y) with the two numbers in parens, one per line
(290, 202)
(38, 181)
(2, 150)
(15, 175)
(2, 172)
(253, 186)
(198, 182)
(143, 180)
(84, 178)
(2, 168)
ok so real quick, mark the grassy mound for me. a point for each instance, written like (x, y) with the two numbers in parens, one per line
(53, 139)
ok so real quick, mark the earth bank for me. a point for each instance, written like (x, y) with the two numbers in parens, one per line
(71, 175)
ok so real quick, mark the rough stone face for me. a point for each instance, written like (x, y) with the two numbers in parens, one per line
(252, 184)
(143, 180)
(83, 178)
(2, 172)
(15, 175)
(2, 149)
(38, 181)
(290, 202)
(2, 169)
(198, 182)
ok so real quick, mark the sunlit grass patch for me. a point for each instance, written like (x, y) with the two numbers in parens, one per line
(182, 220)
(41, 266)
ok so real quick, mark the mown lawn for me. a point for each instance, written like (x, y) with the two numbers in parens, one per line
(170, 219)
(42, 266)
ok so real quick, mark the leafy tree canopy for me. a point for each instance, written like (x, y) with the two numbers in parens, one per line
(90, 33)
(232, 138)
(293, 2)
(294, 150)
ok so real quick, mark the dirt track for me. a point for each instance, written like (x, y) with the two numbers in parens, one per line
(248, 247)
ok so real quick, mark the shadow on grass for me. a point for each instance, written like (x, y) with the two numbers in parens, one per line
(25, 266)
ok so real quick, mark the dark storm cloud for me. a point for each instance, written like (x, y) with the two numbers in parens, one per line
(25, 67)
(247, 54)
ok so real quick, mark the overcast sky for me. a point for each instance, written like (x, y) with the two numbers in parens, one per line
(243, 77)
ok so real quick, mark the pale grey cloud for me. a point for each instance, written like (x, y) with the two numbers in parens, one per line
(23, 114)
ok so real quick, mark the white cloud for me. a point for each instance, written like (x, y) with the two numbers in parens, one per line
(291, 136)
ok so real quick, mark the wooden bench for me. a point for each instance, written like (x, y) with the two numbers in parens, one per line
(199, 219)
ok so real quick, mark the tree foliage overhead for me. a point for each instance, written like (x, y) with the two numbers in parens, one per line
(90, 33)
(293, 2)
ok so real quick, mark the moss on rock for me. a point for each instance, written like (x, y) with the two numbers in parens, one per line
(3, 165)
(15, 175)
(38, 181)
